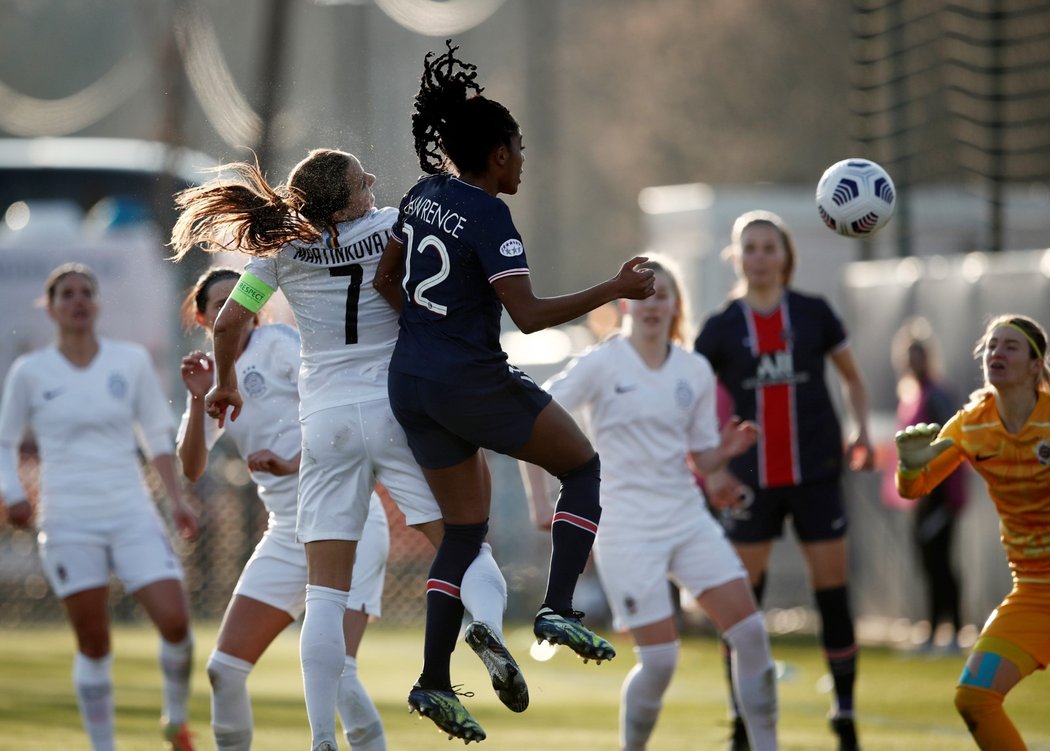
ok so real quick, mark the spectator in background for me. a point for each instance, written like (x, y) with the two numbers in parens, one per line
(922, 397)
(91, 404)
(769, 345)
(271, 591)
(1004, 434)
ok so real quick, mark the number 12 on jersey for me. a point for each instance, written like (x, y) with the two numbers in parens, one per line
(417, 296)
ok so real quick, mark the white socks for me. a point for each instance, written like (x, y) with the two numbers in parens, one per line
(93, 682)
(231, 709)
(484, 590)
(754, 680)
(360, 718)
(641, 696)
(322, 650)
(176, 663)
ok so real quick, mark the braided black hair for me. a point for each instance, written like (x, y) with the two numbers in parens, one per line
(453, 123)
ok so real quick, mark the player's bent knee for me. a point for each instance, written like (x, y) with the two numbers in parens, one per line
(974, 703)
(225, 670)
(589, 470)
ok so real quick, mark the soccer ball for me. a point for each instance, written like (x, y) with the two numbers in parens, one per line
(855, 197)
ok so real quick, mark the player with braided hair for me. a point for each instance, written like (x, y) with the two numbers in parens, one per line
(455, 260)
(1004, 432)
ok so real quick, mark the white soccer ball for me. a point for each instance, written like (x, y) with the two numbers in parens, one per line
(855, 197)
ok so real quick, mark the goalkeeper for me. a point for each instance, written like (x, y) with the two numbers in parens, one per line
(1004, 432)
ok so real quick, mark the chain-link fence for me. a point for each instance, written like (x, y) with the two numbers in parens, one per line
(232, 521)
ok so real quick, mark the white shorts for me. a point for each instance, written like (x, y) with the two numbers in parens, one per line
(634, 571)
(80, 554)
(346, 450)
(276, 573)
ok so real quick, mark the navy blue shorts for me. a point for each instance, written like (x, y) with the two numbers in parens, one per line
(447, 423)
(816, 509)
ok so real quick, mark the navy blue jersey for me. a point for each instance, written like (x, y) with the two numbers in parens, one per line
(773, 365)
(458, 240)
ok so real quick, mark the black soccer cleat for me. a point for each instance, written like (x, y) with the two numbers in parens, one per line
(506, 676)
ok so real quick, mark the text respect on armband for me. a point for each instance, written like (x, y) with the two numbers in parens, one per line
(251, 292)
(432, 212)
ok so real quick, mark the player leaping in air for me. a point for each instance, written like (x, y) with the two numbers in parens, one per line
(455, 261)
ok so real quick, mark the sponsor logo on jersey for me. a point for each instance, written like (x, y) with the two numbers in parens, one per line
(52, 393)
(511, 248)
(775, 368)
(622, 388)
(118, 387)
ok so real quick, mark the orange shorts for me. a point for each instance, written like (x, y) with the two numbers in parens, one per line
(1022, 620)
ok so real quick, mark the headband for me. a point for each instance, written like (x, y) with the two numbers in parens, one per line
(1026, 335)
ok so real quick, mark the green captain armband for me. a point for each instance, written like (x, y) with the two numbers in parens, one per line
(251, 292)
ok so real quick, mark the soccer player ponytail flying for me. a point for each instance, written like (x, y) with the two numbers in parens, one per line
(246, 213)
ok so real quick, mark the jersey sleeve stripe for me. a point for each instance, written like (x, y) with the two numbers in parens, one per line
(508, 272)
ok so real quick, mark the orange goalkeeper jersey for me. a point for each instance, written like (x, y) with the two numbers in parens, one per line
(1016, 468)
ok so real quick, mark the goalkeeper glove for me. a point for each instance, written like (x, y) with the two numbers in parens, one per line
(915, 447)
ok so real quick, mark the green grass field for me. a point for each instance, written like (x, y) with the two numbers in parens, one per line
(904, 701)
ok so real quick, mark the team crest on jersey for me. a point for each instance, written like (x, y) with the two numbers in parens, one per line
(511, 248)
(683, 394)
(118, 387)
(254, 383)
(1042, 452)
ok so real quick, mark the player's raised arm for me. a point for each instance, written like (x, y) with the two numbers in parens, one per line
(531, 313)
(233, 321)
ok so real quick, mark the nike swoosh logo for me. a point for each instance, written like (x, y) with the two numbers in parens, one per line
(49, 395)
(623, 389)
(979, 458)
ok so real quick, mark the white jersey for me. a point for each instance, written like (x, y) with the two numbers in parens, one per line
(348, 329)
(644, 423)
(267, 374)
(89, 423)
